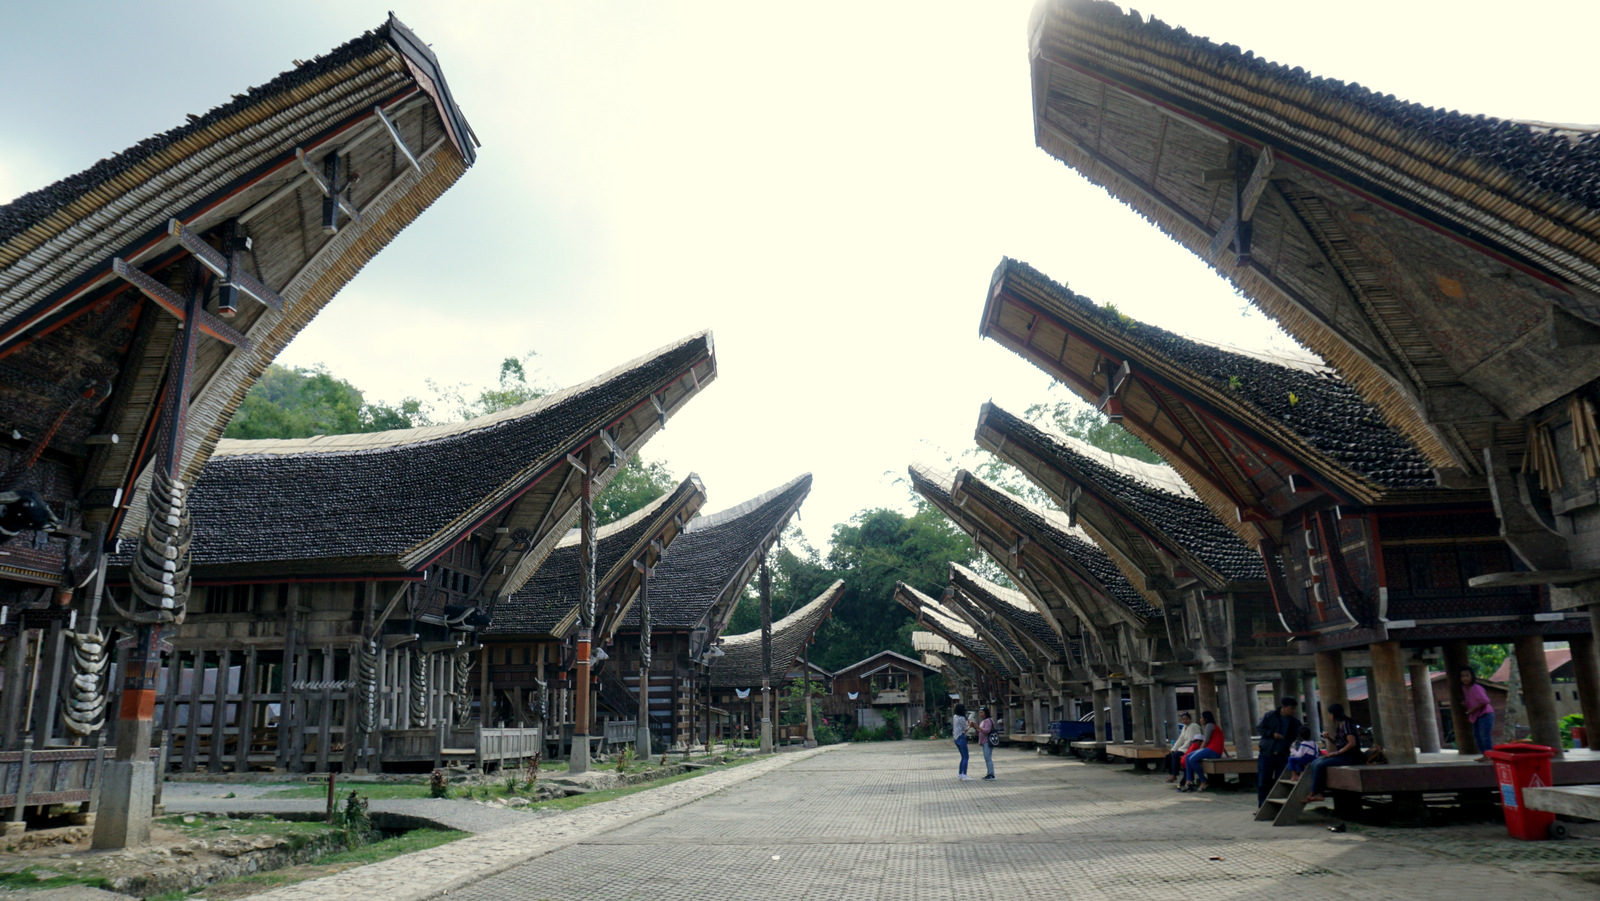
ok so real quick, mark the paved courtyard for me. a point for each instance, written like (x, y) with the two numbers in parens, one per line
(891, 821)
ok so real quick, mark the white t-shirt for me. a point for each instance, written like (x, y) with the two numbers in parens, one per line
(959, 725)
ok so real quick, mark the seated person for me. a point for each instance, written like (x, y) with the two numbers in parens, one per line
(1345, 741)
(1302, 754)
(1188, 736)
(1194, 773)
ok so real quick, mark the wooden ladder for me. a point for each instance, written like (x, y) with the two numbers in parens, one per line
(1286, 800)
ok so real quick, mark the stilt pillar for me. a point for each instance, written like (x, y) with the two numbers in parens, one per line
(1241, 715)
(1119, 725)
(1537, 692)
(1101, 701)
(1388, 693)
(1457, 655)
(1330, 683)
(1139, 706)
(1424, 709)
(1205, 694)
(1586, 672)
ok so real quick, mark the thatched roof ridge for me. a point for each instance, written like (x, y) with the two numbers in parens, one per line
(740, 665)
(1012, 606)
(547, 604)
(1314, 417)
(328, 504)
(1142, 493)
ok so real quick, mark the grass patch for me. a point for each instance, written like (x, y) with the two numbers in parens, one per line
(374, 852)
(30, 879)
(381, 791)
(211, 826)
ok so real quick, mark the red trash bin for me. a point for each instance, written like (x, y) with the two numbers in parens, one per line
(1516, 767)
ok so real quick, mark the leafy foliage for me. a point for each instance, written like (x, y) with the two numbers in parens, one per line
(871, 552)
(1075, 418)
(634, 486)
(299, 403)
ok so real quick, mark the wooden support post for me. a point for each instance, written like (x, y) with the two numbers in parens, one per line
(1241, 722)
(766, 658)
(325, 711)
(578, 760)
(302, 704)
(1119, 723)
(1387, 690)
(1423, 708)
(191, 709)
(352, 693)
(16, 662)
(1139, 702)
(219, 714)
(1586, 673)
(1330, 684)
(1537, 692)
(1457, 655)
(1102, 699)
(247, 712)
(1205, 695)
(52, 698)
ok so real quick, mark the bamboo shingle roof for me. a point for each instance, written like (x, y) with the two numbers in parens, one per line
(740, 665)
(1150, 510)
(1246, 434)
(958, 634)
(1015, 608)
(1422, 252)
(64, 316)
(547, 604)
(393, 501)
(704, 573)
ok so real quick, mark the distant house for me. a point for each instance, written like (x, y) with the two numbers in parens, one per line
(1558, 659)
(885, 681)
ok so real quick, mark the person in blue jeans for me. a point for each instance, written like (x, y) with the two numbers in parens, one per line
(958, 725)
(986, 740)
(1215, 744)
(1345, 741)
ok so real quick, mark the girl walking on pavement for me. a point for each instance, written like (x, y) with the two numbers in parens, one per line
(959, 725)
(986, 741)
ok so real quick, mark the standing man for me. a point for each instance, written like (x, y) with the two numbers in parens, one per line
(1278, 731)
(1189, 734)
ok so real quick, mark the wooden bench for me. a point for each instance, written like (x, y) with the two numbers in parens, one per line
(1571, 800)
(1140, 755)
(1217, 770)
(1407, 786)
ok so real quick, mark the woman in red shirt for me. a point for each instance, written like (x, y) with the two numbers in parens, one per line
(1215, 746)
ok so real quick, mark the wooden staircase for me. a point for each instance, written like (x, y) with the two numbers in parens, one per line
(1286, 800)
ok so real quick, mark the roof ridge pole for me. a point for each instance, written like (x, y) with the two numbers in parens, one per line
(578, 762)
(766, 657)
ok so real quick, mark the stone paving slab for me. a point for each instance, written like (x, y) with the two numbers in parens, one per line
(890, 822)
(442, 870)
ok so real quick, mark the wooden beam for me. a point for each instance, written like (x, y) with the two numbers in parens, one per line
(169, 300)
(225, 267)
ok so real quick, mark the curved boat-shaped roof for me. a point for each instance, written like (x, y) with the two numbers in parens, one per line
(740, 663)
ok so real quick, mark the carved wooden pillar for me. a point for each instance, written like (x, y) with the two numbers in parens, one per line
(1424, 708)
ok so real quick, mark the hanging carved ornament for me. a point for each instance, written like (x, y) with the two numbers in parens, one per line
(367, 681)
(160, 568)
(544, 701)
(463, 700)
(85, 709)
(419, 688)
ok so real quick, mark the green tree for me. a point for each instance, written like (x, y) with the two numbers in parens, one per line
(299, 402)
(633, 487)
(1075, 418)
(462, 401)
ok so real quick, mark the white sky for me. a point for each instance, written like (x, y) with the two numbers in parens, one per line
(828, 186)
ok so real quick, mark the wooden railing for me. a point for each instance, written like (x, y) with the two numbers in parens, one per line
(48, 776)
